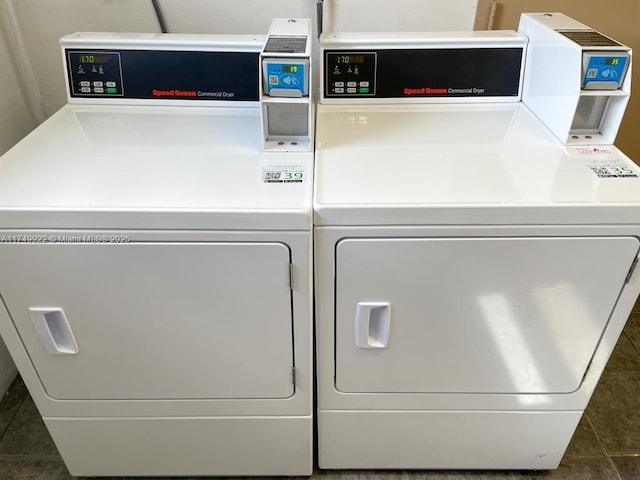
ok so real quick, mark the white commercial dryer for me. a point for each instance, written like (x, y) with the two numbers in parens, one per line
(474, 266)
(156, 257)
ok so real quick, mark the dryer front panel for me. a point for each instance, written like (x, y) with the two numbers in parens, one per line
(473, 315)
(153, 320)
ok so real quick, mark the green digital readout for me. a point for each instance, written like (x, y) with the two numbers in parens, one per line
(100, 59)
(290, 68)
(612, 61)
(350, 59)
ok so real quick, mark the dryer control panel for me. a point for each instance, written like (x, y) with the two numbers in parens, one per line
(95, 72)
(170, 67)
(422, 67)
(351, 73)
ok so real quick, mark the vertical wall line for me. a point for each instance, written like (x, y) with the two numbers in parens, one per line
(159, 16)
(20, 58)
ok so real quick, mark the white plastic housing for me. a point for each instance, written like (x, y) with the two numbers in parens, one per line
(287, 121)
(553, 78)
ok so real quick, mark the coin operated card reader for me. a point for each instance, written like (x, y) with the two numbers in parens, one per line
(577, 80)
(285, 86)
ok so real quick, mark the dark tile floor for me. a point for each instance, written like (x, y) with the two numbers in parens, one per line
(606, 444)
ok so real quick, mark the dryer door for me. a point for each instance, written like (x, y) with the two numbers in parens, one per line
(153, 320)
(474, 315)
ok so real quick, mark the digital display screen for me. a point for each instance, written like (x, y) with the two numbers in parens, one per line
(612, 61)
(350, 59)
(290, 68)
(99, 59)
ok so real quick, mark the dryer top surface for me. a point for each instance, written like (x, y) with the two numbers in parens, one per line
(164, 167)
(463, 164)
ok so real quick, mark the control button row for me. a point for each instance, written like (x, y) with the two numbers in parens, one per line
(350, 84)
(85, 83)
(351, 90)
(86, 89)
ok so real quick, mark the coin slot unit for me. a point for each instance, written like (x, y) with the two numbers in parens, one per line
(577, 80)
(285, 86)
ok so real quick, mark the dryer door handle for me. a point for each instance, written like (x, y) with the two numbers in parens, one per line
(372, 324)
(53, 330)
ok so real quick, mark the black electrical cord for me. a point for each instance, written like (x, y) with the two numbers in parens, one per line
(156, 7)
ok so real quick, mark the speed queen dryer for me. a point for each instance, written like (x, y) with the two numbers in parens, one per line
(156, 261)
(473, 272)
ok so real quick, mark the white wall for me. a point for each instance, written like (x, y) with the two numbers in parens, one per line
(230, 16)
(254, 16)
(399, 15)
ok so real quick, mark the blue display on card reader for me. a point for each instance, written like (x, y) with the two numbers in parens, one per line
(604, 72)
(288, 79)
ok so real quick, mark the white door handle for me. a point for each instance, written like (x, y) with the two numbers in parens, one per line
(53, 329)
(372, 324)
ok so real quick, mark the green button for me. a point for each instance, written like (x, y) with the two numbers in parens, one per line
(364, 90)
(112, 90)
